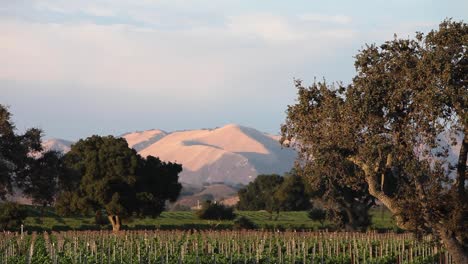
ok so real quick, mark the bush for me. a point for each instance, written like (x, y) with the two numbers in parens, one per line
(214, 211)
(318, 215)
(244, 223)
(11, 216)
(100, 218)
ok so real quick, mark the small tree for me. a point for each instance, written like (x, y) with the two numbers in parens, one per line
(244, 222)
(260, 194)
(11, 216)
(215, 211)
(292, 194)
(318, 214)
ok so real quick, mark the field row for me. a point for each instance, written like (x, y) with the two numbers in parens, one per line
(218, 247)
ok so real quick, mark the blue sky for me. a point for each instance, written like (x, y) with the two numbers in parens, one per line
(77, 68)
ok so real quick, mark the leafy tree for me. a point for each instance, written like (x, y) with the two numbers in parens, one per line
(112, 177)
(215, 211)
(11, 216)
(318, 214)
(157, 183)
(292, 194)
(404, 124)
(40, 180)
(337, 185)
(14, 150)
(260, 194)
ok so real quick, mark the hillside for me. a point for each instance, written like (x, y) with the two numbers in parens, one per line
(230, 154)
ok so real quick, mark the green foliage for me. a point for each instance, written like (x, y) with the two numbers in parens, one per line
(399, 132)
(41, 178)
(318, 214)
(110, 176)
(157, 183)
(260, 194)
(11, 216)
(215, 211)
(14, 150)
(292, 195)
(184, 220)
(244, 222)
(100, 218)
(274, 193)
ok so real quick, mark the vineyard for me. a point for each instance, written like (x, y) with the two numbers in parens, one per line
(217, 247)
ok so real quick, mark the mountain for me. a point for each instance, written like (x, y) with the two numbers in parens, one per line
(142, 139)
(56, 144)
(230, 154)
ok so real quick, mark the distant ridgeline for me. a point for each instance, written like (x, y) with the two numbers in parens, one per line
(231, 154)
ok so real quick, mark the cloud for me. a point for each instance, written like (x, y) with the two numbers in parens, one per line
(132, 57)
(321, 18)
(129, 66)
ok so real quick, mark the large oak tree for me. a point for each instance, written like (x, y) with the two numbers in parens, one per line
(403, 122)
(110, 176)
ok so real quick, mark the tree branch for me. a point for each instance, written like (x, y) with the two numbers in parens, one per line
(380, 195)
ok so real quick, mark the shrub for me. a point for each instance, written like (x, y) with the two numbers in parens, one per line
(11, 216)
(244, 223)
(215, 211)
(318, 215)
(100, 218)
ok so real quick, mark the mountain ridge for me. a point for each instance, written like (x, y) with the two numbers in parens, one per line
(231, 154)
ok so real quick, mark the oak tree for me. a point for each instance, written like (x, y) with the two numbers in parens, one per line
(111, 176)
(14, 151)
(404, 123)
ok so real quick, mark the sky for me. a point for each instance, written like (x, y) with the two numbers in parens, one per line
(79, 68)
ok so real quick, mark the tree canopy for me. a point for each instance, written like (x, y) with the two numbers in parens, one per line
(403, 123)
(274, 193)
(260, 194)
(111, 176)
(292, 195)
(14, 150)
(40, 180)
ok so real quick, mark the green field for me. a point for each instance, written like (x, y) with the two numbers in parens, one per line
(188, 220)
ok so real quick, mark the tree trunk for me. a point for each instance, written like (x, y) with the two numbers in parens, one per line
(349, 225)
(461, 166)
(375, 191)
(454, 247)
(115, 221)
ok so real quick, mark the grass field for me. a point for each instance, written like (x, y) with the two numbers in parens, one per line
(188, 220)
